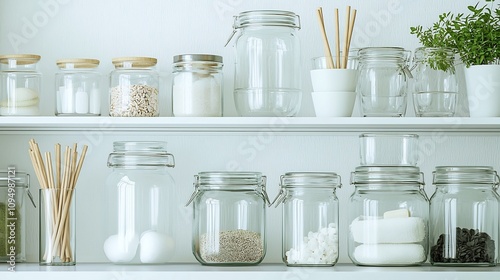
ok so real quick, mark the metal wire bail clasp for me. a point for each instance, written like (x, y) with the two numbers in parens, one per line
(196, 186)
(264, 192)
(234, 31)
(281, 195)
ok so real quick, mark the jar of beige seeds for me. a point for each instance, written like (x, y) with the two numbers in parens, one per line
(134, 87)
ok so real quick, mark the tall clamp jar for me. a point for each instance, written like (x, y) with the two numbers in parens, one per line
(229, 211)
(134, 87)
(78, 88)
(140, 203)
(20, 85)
(267, 71)
(388, 216)
(464, 218)
(383, 81)
(310, 218)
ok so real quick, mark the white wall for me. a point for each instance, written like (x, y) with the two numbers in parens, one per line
(162, 29)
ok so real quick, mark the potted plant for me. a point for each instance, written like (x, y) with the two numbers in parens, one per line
(476, 38)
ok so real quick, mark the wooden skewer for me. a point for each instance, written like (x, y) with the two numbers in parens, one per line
(346, 38)
(351, 28)
(337, 38)
(326, 45)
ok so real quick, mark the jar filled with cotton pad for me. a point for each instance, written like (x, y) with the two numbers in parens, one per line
(20, 85)
(388, 216)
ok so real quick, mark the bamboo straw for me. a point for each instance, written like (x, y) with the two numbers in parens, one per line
(326, 45)
(351, 28)
(337, 38)
(346, 39)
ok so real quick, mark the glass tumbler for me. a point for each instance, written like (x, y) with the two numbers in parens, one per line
(385, 149)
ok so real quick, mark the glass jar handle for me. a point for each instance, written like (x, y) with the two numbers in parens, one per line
(173, 160)
(233, 33)
(497, 181)
(196, 190)
(281, 195)
(264, 193)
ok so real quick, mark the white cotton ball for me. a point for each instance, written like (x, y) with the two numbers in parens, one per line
(121, 248)
(156, 247)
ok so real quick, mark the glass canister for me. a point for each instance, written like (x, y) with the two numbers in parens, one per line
(435, 92)
(197, 85)
(388, 216)
(20, 85)
(464, 218)
(268, 69)
(383, 81)
(134, 88)
(78, 88)
(141, 204)
(229, 218)
(310, 218)
(14, 186)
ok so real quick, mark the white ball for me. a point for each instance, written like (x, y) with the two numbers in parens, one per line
(156, 247)
(121, 248)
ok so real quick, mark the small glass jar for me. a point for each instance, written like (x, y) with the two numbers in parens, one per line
(464, 216)
(134, 88)
(14, 186)
(197, 85)
(141, 204)
(78, 88)
(268, 69)
(388, 216)
(310, 218)
(229, 218)
(388, 149)
(383, 81)
(20, 85)
(435, 92)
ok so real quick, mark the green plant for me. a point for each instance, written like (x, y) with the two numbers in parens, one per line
(475, 37)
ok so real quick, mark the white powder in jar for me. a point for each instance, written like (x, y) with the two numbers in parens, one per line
(196, 95)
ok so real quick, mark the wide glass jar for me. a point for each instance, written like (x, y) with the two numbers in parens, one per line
(20, 85)
(310, 218)
(197, 85)
(14, 187)
(268, 69)
(134, 88)
(464, 216)
(229, 211)
(435, 92)
(383, 81)
(141, 205)
(388, 216)
(78, 88)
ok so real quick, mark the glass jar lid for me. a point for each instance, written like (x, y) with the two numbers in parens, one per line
(134, 62)
(422, 53)
(311, 179)
(267, 18)
(230, 180)
(146, 153)
(387, 174)
(465, 175)
(19, 180)
(73, 63)
(384, 54)
(197, 58)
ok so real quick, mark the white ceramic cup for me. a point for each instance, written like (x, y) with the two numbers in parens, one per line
(343, 80)
(333, 104)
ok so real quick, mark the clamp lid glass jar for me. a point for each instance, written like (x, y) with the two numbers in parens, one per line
(78, 88)
(388, 214)
(141, 203)
(310, 218)
(134, 88)
(229, 211)
(268, 69)
(20, 85)
(197, 85)
(464, 216)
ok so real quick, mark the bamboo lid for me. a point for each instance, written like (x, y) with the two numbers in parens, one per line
(21, 59)
(135, 62)
(78, 63)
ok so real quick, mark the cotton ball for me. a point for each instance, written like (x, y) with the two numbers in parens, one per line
(156, 247)
(120, 248)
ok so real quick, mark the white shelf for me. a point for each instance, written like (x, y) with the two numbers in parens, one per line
(237, 124)
(261, 272)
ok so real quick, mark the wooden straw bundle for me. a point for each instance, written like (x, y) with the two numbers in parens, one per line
(62, 186)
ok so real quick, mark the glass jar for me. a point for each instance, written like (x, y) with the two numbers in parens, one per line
(229, 218)
(20, 85)
(134, 88)
(14, 186)
(383, 81)
(388, 216)
(435, 92)
(141, 204)
(310, 218)
(267, 71)
(197, 85)
(78, 88)
(464, 216)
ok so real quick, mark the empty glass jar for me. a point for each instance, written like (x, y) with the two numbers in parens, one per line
(435, 92)
(268, 69)
(20, 85)
(464, 216)
(229, 218)
(383, 81)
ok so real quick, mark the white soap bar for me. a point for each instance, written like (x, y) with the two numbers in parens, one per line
(399, 213)
(395, 230)
(81, 102)
(95, 102)
(21, 97)
(121, 248)
(389, 254)
(156, 247)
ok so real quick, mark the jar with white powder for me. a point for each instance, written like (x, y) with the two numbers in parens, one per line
(78, 88)
(197, 85)
(134, 87)
(310, 218)
(20, 85)
(388, 216)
